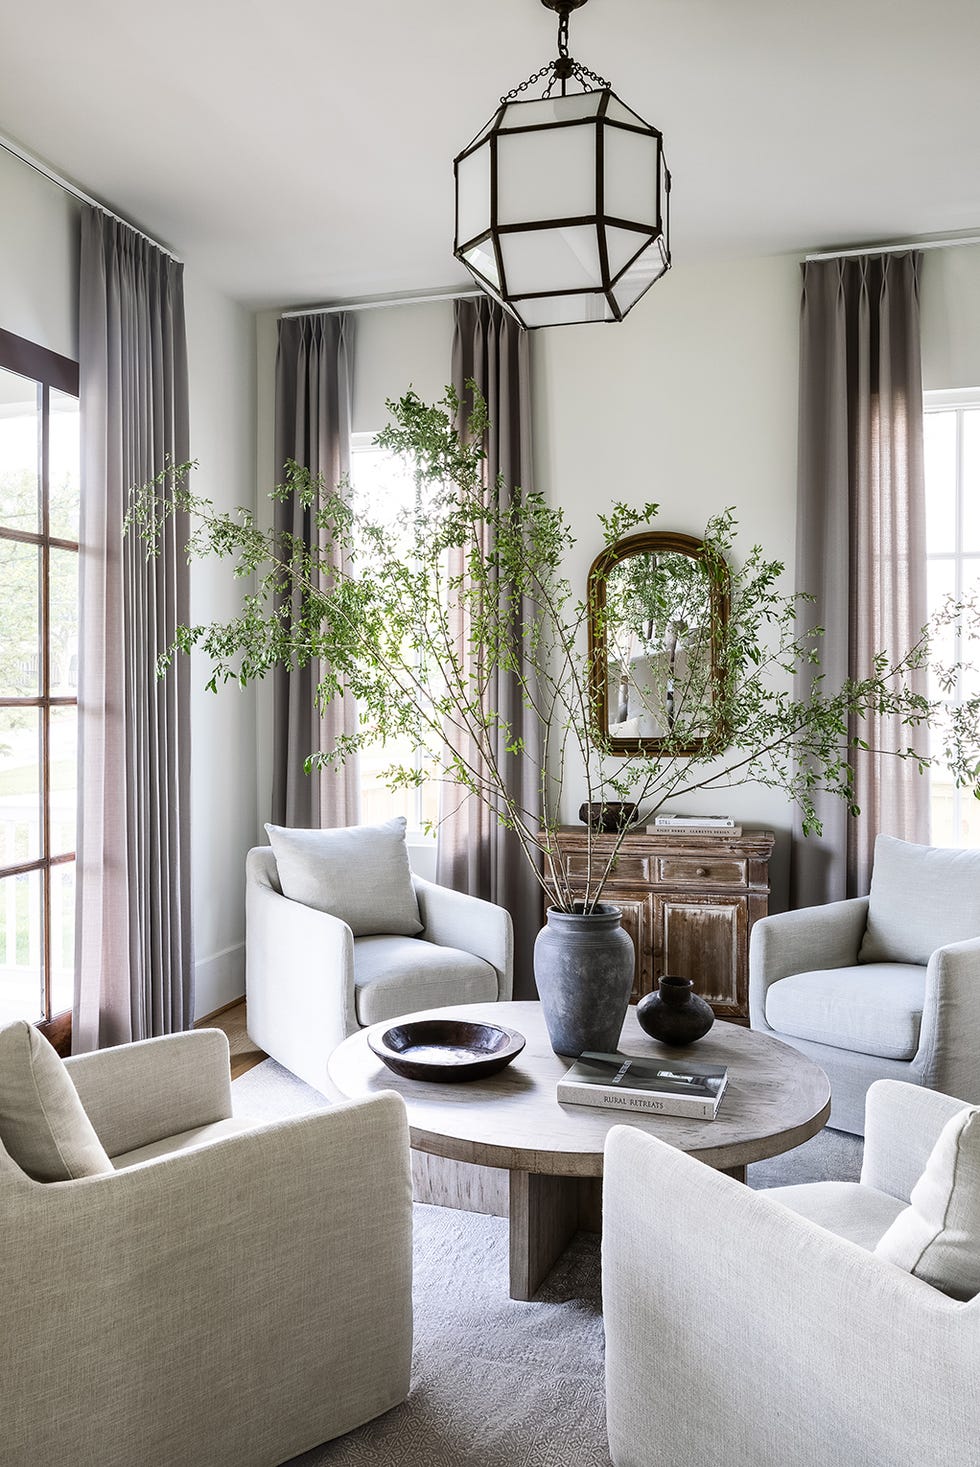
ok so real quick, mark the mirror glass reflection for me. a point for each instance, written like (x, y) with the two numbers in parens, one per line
(654, 611)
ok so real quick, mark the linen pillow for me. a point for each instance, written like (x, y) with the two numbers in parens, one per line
(359, 873)
(43, 1125)
(937, 1237)
(922, 897)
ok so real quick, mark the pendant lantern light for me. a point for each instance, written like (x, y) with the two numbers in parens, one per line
(562, 200)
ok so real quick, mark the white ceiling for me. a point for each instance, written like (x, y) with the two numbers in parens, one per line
(301, 151)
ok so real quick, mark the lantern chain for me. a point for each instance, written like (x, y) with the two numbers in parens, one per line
(562, 69)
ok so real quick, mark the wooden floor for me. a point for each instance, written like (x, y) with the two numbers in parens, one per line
(244, 1055)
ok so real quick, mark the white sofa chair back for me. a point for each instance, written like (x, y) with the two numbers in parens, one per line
(880, 987)
(229, 1293)
(758, 1329)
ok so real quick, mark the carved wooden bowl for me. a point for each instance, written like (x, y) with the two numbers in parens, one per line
(609, 815)
(446, 1049)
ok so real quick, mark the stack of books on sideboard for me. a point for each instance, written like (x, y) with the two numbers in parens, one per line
(694, 825)
(658, 1087)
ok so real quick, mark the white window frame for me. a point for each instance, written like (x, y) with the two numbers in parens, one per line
(954, 400)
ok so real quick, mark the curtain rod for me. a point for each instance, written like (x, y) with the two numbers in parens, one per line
(895, 249)
(372, 303)
(16, 151)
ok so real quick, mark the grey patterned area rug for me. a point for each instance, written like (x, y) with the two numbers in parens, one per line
(496, 1383)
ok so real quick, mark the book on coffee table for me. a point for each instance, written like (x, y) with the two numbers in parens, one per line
(631, 1082)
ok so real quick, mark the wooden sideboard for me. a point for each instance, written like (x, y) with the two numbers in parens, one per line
(688, 903)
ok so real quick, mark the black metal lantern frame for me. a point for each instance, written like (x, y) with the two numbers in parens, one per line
(600, 256)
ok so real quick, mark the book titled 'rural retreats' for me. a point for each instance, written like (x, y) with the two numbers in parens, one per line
(630, 1082)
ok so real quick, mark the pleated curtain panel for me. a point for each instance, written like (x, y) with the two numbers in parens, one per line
(133, 946)
(474, 853)
(861, 537)
(314, 373)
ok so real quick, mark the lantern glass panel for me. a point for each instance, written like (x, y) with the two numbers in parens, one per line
(640, 276)
(564, 310)
(621, 247)
(547, 173)
(482, 259)
(542, 111)
(473, 194)
(550, 259)
(619, 112)
(630, 177)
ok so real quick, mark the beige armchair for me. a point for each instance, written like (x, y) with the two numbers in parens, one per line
(310, 982)
(225, 1294)
(760, 1329)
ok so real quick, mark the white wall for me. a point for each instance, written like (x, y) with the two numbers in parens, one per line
(39, 301)
(221, 355)
(38, 258)
(692, 403)
(950, 306)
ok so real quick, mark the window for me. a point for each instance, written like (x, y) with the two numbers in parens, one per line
(952, 473)
(388, 487)
(39, 503)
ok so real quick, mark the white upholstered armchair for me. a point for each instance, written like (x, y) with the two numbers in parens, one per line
(177, 1286)
(883, 986)
(360, 940)
(762, 1329)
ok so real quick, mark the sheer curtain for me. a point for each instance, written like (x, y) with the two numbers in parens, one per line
(474, 853)
(861, 536)
(314, 373)
(133, 950)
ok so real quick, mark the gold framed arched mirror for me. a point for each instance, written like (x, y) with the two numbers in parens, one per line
(657, 605)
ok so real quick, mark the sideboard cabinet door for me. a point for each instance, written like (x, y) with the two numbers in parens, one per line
(705, 939)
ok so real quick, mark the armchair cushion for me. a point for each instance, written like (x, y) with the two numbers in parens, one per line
(873, 1008)
(398, 975)
(922, 898)
(43, 1125)
(848, 1209)
(359, 873)
(937, 1237)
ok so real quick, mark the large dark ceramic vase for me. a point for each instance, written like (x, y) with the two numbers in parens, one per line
(675, 1014)
(583, 967)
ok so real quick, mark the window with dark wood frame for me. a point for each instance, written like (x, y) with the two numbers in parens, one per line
(39, 503)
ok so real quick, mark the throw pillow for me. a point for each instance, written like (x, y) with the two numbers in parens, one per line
(359, 873)
(43, 1126)
(922, 897)
(937, 1237)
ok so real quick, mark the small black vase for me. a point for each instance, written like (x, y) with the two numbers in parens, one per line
(675, 1015)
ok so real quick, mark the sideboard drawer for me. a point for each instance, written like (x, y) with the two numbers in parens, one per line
(624, 868)
(701, 871)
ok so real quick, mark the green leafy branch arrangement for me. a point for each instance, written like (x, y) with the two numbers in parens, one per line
(377, 602)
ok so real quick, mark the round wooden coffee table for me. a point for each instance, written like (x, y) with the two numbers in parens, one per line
(545, 1159)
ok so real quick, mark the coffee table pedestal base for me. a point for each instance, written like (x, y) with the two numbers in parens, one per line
(545, 1214)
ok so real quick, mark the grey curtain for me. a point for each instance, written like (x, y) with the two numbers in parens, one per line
(133, 953)
(314, 373)
(474, 853)
(861, 536)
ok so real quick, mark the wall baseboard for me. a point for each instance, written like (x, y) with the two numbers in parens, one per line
(219, 982)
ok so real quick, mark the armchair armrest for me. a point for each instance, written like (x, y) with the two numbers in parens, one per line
(299, 979)
(280, 1257)
(902, 1124)
(454, 919)
(135, 1094)
(797, 942)
(947, 1058)
(755, 1336)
